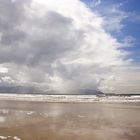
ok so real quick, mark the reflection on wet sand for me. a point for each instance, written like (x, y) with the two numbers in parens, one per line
(69, 121)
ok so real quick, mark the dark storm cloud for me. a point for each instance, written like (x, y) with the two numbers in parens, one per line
(39, 45)
(55, 42)
(11, 16)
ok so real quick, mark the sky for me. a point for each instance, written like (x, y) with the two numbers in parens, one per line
(67, 46)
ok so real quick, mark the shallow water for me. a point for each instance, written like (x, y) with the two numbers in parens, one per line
(69, 121)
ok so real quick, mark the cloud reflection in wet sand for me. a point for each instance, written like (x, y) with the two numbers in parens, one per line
(55, 121)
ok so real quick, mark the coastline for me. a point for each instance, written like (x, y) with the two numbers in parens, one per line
(68, 98)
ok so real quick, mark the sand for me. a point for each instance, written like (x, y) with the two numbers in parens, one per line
(25, 120)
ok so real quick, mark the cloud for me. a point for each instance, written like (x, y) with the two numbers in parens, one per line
(95, 3)
(58, 46)
(113, 15)
(3, 70)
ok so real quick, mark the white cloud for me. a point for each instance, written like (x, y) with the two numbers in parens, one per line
(97, 2)
(114, 17)
(58, 45)
(3, 69)
(94, 3)
(7, 79)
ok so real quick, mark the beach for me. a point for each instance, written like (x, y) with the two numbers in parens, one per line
(27, 120)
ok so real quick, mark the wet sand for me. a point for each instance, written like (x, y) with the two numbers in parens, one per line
(69, 121)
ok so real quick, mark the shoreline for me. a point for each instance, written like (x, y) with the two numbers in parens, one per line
(69, 98)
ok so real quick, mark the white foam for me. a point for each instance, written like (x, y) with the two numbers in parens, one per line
(3, 137)
(4, 111)
(2, 119)
(30, 112)
(81, 116)
(46, 115)
(16, 138)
